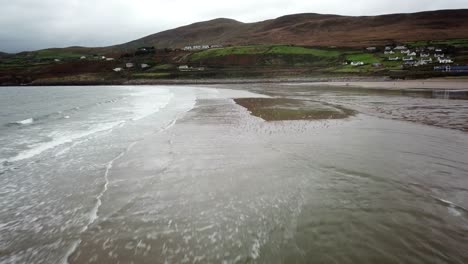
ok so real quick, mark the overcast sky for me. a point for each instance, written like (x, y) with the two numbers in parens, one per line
(37, 24)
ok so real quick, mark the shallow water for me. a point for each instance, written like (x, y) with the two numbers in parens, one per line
(201, 181)
(415, 107)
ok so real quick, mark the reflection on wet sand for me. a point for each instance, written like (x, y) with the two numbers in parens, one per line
(225, 186)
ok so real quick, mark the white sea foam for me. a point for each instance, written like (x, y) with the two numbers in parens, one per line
(93, 214)
(149, 102)
(25, 121)
(60, 140)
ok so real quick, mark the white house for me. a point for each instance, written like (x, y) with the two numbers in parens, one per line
(118, 69)
(103, 57)
(389, 52)
(445, 61)
(394, 58)
(357, 63)
(184, 68)
(424, 55)
(388, 48)
(400, 48)
(83, 58)
(56, 60)
(216, 46)
(427, 60)
(439, 55)
(129, 65)
(412, 54)
(110, 59)
(187, 48)
(405, 52)
(144, 65)
(438, 50)
(408, 59)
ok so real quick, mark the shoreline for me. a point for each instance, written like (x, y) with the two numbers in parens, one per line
(446, 88)
(364, 82)
(201, 81)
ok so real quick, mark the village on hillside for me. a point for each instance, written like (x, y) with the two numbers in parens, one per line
(419, 56)
(399, 60)
(438, 57)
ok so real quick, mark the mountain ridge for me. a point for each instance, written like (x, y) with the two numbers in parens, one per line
(314, 29)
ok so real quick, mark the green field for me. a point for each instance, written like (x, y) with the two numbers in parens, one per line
(56, 54)
(367, 58)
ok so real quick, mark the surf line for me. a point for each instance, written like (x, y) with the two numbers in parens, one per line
(93, 214)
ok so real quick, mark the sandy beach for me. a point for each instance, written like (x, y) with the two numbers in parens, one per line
(429, 84)
(256, 173)
(225, 186)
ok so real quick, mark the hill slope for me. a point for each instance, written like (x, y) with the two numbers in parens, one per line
(315, 30)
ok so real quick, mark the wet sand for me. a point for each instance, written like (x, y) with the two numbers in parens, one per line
(276, 109)
(429, 84)
(225, 186)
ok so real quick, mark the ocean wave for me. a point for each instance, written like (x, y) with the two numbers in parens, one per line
(145, 107)
(61, 114)
(27, 121)
(60, 140)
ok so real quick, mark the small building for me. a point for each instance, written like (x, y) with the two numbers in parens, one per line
(401, 48)
(187, 48)
(430, 48)
(425, 55)
(216, 46)
(439, 55)
(57, 60)
(103, 57)
(426, 60)
(144, 66)
(110, 59)
(438, 50)
(357, 63)
(83, 58)
(405, 52)
(371, 49)
(117, 69)
(129, 65)
(408, 59)
(457, 68)
(389, 52)
(420, 63)
(387, 48)
(412, 54)
(394, 58)
(445, 61)
(184, 68)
